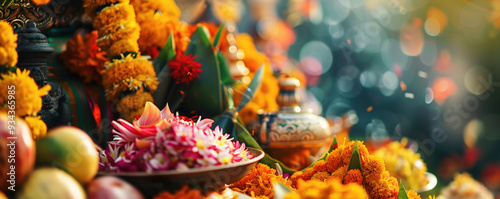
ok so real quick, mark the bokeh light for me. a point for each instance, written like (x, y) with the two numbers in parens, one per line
(429, 53)
(443, 88)
(472, 131)
(477, 80)
(411, 40)
(336, 12)
(319, 51)
(388, 83)
(391, 54)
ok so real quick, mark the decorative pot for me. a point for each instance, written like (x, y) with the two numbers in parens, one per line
(290, 135)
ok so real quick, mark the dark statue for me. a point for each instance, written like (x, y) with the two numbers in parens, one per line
(33, 50)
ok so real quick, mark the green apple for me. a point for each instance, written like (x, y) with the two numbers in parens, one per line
(70, 149)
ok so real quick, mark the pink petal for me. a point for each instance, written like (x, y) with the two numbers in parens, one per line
(150, 116)
(166, 113)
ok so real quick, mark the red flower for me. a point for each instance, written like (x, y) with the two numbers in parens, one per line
(184, 68)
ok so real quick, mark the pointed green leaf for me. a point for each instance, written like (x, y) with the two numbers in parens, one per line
(166, 53)
(333, 146)
(355, 162)
(206, 96)
(280, 190)
(217, 35)
(402, 192)
(165, 81)
(224, 70)
(252, 88)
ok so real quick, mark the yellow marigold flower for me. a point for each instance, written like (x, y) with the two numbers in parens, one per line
(383, 188)
(8, 53)
(27, 95)
(259, 182)
(413, 195)
(92, 5)
(37, 126)
(126, 70)
(123, 46)
(354, 176)
(167, 8)
(132, 105)
(83, 57)
(185, 192)
(334, 189)
(120, 30)
(154, 18)
(404, 164)
(340, 173)
(111, 14)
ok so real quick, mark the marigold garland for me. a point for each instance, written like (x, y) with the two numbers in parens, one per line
(8, 44)
(130, 106)
(334, 189)
(28, 96)
(154, 18)
(127, 75)
(378, 182)
(259, 181)
(84, 58)
(37, 126)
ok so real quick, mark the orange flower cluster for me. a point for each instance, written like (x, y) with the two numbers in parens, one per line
(265, 97)
(333, 189)
(185, 192)
(156, 19)
(127, 73)
(378, 182)
(413, 195)
(259, 182)
(83, 57)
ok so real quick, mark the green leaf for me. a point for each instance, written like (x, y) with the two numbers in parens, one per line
(242, 135)
(166, 53)
(333, 146)
(217, 35)
(252, 88)
(280, 190)
(224, 70)
(355, 162)
(165, 81)
(402, 192)
(206, 97)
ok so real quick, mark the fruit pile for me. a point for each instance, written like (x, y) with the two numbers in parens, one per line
(61, 165)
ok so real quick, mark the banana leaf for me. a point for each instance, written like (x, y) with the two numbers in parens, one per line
(166, 53)
(252, 88)
(206, 95)
(224, 70)
(217, 36)
(402, 191)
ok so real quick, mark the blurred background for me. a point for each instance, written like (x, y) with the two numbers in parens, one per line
(426, 70)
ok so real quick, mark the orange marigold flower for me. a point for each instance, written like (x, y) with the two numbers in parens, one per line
(185, 192)
(181, 35)
(412, 195)
(334, 189)
(112, 14)
(296, 177)
(322, 176)
(91, 6)
(354, 176)
(373, 168)
(320, 165)
(383, 188)
(114, 32)
(84, 58)
(259, 182)
(340, 173)
(184, 68)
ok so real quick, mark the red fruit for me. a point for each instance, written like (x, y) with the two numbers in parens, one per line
(17, 152)
(109, 187)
